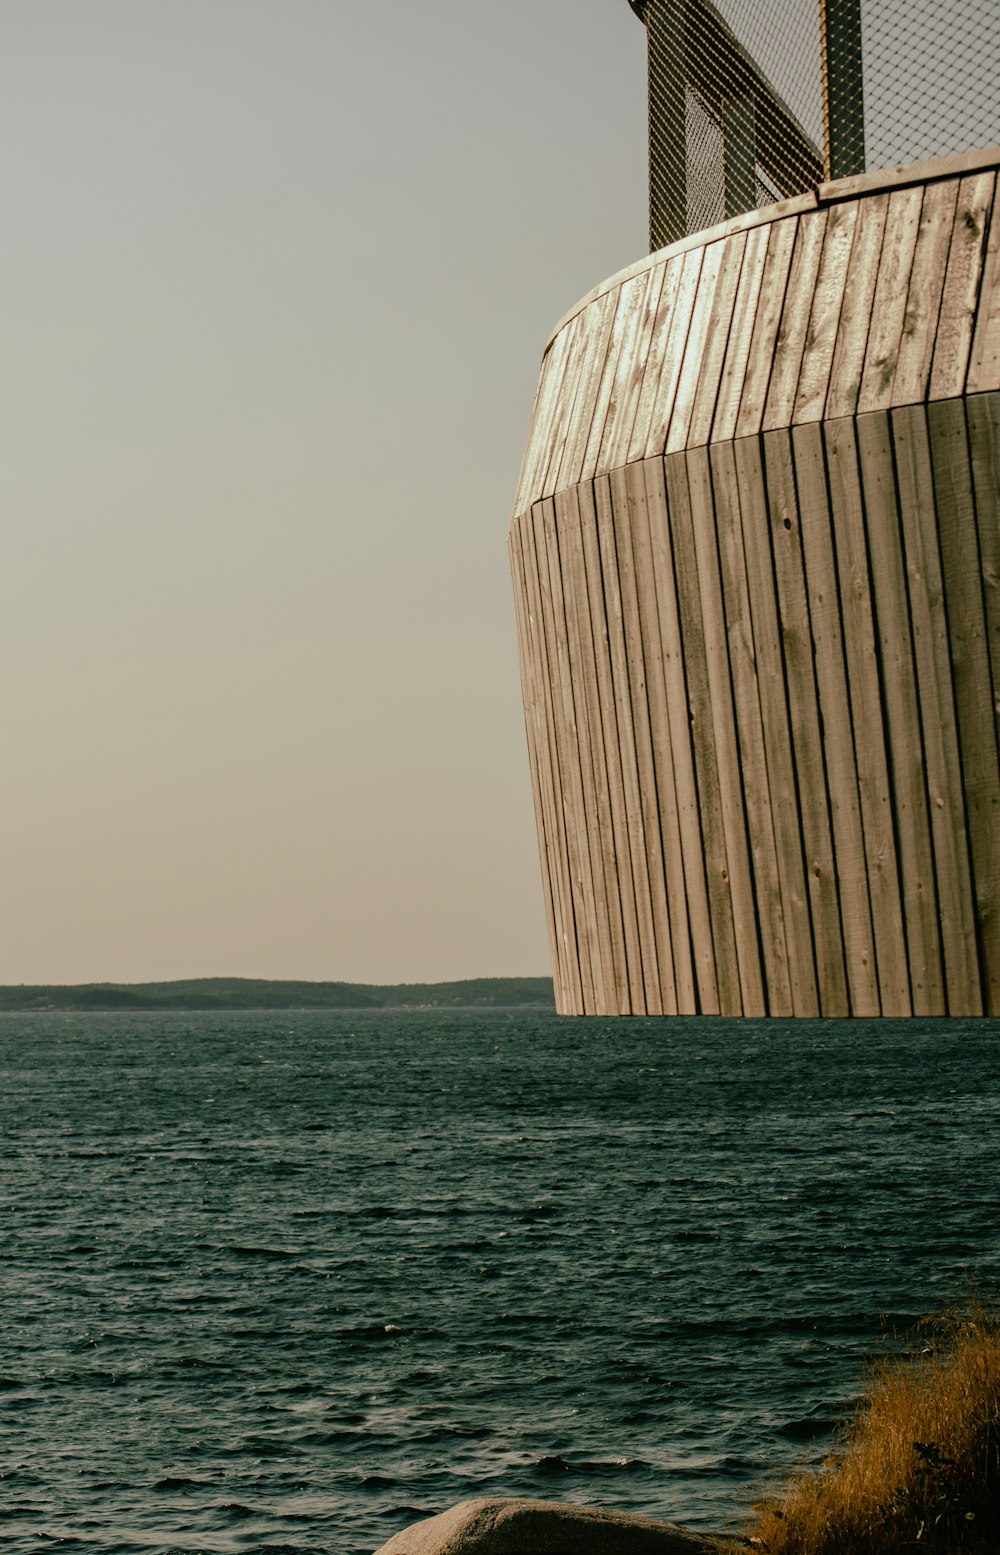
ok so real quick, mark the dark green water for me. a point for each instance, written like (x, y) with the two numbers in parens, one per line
(286, 1282)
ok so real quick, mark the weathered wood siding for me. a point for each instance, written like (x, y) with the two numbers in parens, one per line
(756, 555)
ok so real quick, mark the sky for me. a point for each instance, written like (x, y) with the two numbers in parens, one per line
(278, 277)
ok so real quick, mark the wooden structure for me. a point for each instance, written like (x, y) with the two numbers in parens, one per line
(756, 562)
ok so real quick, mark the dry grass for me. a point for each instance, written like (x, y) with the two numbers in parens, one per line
(920, 1467)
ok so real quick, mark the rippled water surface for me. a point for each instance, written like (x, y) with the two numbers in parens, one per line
(286, 1282)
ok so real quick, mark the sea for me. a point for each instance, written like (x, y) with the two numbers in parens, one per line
(284, 1283)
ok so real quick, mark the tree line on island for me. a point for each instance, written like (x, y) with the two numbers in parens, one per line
(251, 993)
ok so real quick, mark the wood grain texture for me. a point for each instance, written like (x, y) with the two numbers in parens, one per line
(756, 557)
(923, 298)
(699, 715)
(603, 401)
(706, 319)
(867, 717)
(741, 329)
(939, 724)
(961, 570)
(901, 715)
(724, 735)
(689, 813)
(546, 749)
(770, 302)
(750, 728)
(633, 806)
(628, 496)
(818, 548)
(675, 344)
(593, 348)
(699, 427)
(983, 416)
(529, 693)
(984, 359)
(807, 742)
(778, 738)
(824, 317)
(659, 335)
(631, 374)
(792, 334)
(645, 485)
(889, 306)
(588, 734)
(960, 291)
(591, 514)
(568, 758)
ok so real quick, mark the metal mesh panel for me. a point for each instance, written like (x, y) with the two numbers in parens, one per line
(756, 100)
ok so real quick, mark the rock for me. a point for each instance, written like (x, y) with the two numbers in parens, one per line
(495, 1526)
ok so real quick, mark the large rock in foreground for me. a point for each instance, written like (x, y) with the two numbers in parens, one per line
(495, 1526)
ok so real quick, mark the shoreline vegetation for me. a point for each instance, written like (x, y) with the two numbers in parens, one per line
(252, 993)
(919, 1465)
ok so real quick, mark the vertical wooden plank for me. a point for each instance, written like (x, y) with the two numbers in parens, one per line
(536, 449)
(599, 319)
(615, 452)
(625, 322)
(681, 749)
(608, 520)
(834, 705)
(889, 307)
(577, 360)
(740, 334)
(771, 301)
(792, 331)
(963, 995)
(961, 568)
(597, 791)
(866, 716)
(824, 319)
(807, 750)
(953, 342)
(843, 88)
(627, 494)
(752, 756)
(567, 754)
(703, 319)
(567, 533)
(983, 415)
(722, 714)
(777, 727)
(703, 413)
(600, 636)
(535, 759)
(856, 310)
(646, 510)
(662, 406)
(546, 746)
(902, 722)
(984, 362)
(699, 709)
(573, 765)
(670, 290)
(923, 300)
(622, 354)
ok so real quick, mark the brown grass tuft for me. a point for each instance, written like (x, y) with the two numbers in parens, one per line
(920, 1466)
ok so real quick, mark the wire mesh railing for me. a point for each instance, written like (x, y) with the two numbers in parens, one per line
(752, 101)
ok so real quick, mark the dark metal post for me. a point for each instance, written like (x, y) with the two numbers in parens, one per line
(740, 155)
(843, 87)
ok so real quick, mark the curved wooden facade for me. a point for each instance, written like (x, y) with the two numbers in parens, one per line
(756, 562)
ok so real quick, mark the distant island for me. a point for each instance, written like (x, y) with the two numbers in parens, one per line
(252, 993)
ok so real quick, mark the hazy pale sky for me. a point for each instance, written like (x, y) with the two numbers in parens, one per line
(278, 275)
